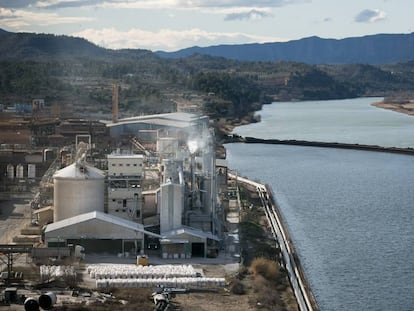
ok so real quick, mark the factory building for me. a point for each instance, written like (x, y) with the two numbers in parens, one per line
(184, 148)
(125, 173)
(180, 202)
(98, 232)
(148, 128)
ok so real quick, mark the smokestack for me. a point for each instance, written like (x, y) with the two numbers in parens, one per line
(115, 103)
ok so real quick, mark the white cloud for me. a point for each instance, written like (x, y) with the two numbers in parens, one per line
(58, 4)
(370, 16)
(248, 15)
(166, 39)
(15, 19)
(237, 3)
(195, 4)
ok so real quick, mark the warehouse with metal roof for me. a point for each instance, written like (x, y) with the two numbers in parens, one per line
(98, 232)
(177, 120)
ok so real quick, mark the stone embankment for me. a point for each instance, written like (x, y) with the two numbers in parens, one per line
(253, 140)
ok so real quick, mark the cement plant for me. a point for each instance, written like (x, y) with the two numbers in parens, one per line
(145, 192)
(141, 206)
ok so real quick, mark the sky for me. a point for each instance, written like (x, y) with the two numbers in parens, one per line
(171, 25)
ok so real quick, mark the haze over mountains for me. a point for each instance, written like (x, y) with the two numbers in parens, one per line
(374, 49)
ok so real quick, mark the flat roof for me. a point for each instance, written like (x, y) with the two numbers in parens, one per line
(125, 156)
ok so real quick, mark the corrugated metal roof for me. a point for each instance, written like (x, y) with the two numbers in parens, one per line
(191, 231)
(175, 119)
(100, 216)
(75, 170)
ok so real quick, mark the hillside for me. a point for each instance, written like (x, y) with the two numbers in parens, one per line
(76, 76)
(374, 49)
(31, 46)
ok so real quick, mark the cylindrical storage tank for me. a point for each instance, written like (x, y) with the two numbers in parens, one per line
(31, 171)
(31, 304)
(10, 171)
(78, 189)
(46, 301)
(19, 171)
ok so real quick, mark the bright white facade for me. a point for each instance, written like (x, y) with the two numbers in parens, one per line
(78, 189)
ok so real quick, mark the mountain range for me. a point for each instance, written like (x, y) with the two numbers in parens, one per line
(374, 49)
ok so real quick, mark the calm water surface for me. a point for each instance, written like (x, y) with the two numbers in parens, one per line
(350, 213)
(343, 121)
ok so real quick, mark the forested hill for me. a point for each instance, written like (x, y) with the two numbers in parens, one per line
(374, 49)
(24, 46)
(74, 73)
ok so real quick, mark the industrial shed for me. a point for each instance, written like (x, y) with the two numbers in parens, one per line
(98, 232)
(187, 242)
(177, 120)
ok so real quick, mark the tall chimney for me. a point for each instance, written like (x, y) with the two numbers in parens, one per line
(115, 103)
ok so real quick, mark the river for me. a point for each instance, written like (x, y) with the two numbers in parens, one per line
(344, 121)
(349, 212)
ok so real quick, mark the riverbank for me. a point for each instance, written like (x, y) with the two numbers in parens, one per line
(286, 250)
(397, 104)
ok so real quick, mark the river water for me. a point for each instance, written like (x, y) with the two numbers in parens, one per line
(350, 213)
(342, 121)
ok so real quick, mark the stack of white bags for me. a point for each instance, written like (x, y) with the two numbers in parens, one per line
(122, 275)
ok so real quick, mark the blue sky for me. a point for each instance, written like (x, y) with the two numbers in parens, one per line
(171, 25)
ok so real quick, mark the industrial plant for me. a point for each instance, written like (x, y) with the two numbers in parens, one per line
(157, 190)
(126, 186)
(145, 191)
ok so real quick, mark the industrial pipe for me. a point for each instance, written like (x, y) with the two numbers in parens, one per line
(31, 304)
(46, 301)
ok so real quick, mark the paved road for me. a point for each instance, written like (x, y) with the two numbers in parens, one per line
(15, 215)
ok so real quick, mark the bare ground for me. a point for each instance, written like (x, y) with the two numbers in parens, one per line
(402, 105)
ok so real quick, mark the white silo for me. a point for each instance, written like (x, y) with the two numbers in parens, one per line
(19, 171)
(78, 189)
(10, 171)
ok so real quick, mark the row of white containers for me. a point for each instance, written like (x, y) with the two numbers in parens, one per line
(125, 271)
(166, 282)
(31, 171)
